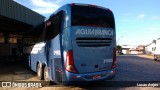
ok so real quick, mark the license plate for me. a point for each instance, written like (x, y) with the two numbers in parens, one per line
(96, 76)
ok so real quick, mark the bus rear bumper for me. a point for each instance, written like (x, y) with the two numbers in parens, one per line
(96, 76)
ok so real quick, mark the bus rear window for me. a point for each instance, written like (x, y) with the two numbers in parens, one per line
(91, 16)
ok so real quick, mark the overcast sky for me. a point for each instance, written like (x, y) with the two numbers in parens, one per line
(137, 21)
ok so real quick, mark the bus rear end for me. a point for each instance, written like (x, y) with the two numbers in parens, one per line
(92, 54)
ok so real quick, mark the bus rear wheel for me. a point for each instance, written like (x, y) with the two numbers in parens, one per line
(39, 72)
(45, 73)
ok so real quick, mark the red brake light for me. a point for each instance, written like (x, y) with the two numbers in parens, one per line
(70, 62)
(114, 59)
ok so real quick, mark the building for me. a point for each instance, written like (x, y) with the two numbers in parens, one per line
(132, 49)
(15, 21)
(125, 49)
(141, 49)
(128, 49)
(149, 49)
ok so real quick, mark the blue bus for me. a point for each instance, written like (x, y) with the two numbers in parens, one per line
(76, 43)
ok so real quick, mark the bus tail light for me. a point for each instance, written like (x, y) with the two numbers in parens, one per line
(70, 62)
(114, 59)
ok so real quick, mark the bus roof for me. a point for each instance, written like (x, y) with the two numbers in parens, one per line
(72, 4)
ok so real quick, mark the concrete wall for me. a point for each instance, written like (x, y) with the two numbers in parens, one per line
(6, 49)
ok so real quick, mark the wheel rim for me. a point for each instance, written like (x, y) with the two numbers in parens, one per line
(38, 71)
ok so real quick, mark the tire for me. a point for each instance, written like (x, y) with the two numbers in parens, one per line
(45, 74)
(155, 58)
(39, 72)
(112, 77)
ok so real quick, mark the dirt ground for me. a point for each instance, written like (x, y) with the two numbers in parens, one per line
(16, 72)
(146, 56)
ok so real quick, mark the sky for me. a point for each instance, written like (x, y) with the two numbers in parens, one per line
(137, 21)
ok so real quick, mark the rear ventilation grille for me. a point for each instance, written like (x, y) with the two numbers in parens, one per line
(93, 42)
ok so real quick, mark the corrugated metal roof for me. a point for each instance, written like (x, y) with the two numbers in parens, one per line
(11, 9)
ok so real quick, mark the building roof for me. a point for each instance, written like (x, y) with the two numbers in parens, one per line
(15, 11)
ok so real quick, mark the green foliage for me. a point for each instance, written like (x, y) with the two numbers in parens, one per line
(119, 48)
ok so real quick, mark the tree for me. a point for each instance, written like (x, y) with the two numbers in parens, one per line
(119, 48)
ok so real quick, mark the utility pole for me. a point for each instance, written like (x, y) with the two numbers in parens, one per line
(119, 40)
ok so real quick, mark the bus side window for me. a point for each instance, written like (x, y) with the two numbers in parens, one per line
(53, 26)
